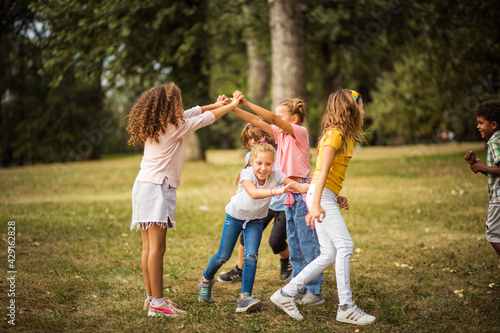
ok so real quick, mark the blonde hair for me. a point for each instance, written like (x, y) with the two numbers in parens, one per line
(250, 132)
(258, 148)
(153, 111)
(343, 113)
(295, 107)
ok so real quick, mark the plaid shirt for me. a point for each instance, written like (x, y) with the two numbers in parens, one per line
(493, 160)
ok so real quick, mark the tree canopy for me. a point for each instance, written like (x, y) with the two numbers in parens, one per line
(70, 70)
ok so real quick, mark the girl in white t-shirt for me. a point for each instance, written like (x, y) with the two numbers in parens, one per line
(245, 212)
(158, 121)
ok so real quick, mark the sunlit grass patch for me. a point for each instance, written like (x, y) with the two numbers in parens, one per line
(417, 221)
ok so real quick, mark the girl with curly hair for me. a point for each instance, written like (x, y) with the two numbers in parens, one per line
(158, 121)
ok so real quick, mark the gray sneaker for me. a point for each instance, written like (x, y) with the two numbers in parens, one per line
(205, 290)
(311, 299)
(248, 304)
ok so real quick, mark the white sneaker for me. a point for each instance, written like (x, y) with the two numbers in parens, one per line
(287, 304)
(311, 299)
(354, 315)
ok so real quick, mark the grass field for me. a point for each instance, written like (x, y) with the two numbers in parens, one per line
(421, 261)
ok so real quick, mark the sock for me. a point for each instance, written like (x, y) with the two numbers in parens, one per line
(150, 298)
(284, 294)
(344, 307)
(158, 301)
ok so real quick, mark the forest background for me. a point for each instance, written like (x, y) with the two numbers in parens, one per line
(70, 70)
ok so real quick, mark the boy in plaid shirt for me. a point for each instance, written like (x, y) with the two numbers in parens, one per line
(488, 124)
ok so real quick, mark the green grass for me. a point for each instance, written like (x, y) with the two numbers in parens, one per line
(417, 220)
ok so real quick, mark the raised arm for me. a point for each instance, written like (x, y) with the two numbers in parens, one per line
(221, 101)
(254, 120)
(219, 112)
(269, 116)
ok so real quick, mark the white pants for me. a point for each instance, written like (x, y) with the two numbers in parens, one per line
(336, 246)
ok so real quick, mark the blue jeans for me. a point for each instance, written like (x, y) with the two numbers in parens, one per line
(252, 234)
(302, 243)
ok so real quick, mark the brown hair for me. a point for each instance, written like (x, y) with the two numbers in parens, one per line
(257, 148)
(295, 107)
(153, 111)
(343, 113)
(250, 132)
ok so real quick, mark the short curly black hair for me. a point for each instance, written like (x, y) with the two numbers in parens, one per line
(489, 110)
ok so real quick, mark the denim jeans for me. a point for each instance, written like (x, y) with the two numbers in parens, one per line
(252, 234)
(336, 248)
(302, 243)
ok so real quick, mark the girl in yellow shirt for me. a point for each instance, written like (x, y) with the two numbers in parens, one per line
(342, 126)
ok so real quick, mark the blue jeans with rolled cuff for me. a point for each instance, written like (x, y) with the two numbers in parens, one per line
(252, 233)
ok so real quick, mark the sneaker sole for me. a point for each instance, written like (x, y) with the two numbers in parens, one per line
(224, 281)
(161, 314)
(347, 321)
(312, 304)
(252, 307)
(282, 307)
(205, 300)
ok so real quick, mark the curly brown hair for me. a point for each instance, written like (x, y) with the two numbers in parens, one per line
(489, 110)
(153, 111)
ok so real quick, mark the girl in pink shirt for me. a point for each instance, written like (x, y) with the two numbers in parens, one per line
(293, 159)
(158, 121)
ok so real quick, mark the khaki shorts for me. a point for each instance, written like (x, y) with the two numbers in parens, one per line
(493, 224)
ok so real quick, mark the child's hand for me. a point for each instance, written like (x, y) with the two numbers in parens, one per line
(342, 202)
(315, 214)
(470, 157)
(476, 166)
(237, 96)
(243, 99)
(285, 189)
(223, 99)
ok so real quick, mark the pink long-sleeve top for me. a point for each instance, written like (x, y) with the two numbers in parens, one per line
(165, 159)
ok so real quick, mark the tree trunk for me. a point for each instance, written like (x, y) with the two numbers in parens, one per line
(286, 22)
(258, 74)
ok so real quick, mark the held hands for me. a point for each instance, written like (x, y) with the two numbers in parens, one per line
(223, 100)
(283, 189)
(243, 99)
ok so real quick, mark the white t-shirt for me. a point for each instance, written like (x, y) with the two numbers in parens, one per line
(242, 206)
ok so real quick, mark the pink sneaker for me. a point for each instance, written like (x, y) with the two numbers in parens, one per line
(147, 304)
(167, 308)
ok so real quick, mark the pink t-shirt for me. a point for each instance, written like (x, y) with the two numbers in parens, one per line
(293, 156)
(165, 159)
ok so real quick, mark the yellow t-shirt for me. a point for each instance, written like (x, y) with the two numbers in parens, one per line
(336, 175)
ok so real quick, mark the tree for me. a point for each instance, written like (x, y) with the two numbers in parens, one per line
(286, 22)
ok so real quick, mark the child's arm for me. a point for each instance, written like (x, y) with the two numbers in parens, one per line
(219, 112)
(269, 116)
(260, 193)
(316, 212)
(299, 187)
(254, 120)
(221, 101)
(484, 169)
